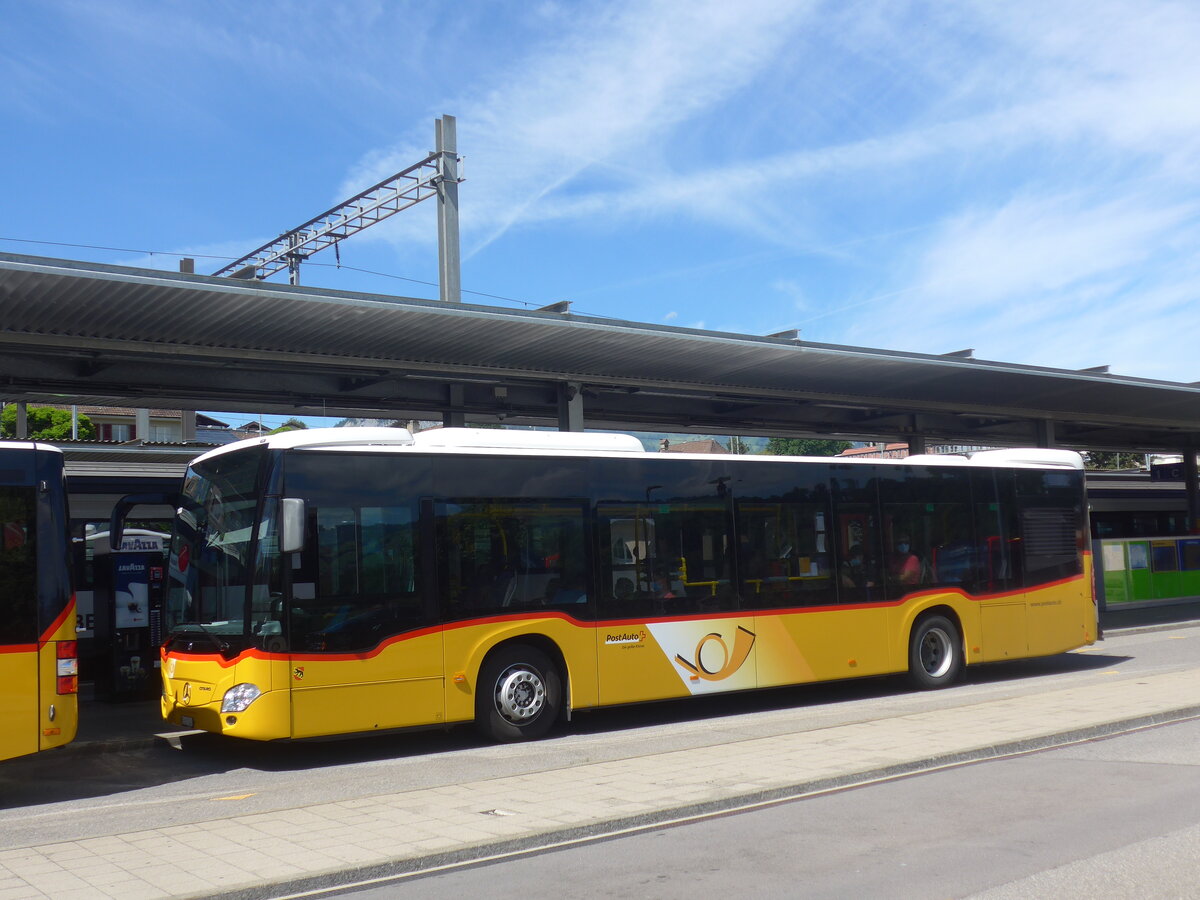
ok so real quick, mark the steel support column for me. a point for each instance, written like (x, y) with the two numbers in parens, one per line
(1044, 432)
(453, 416)
(1191, 484)
(446, 147)
(570, 407)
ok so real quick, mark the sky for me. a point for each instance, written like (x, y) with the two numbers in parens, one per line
(1020, 178)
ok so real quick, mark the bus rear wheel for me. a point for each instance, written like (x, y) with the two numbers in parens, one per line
(519, 694)
(934, 653)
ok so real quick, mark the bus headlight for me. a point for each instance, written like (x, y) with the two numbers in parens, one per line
(239, 697)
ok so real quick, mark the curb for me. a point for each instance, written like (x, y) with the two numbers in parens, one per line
(1159, 626)
(339, 880)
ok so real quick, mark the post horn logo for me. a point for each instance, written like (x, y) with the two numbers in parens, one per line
(743, 642)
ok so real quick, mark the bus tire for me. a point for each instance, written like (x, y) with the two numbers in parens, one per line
(519, 696)
(934, 653)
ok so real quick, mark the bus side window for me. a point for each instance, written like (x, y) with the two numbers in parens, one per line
(1050, 505)
(784, 556)
(857, 535)
(999, 567)
(505, 556)
(18, 572)
(356, 583)
(666, 559)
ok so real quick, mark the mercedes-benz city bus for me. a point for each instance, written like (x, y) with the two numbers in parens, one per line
(341, 581)
(39, 679)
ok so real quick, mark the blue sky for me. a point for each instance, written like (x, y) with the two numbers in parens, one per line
(1020, 178)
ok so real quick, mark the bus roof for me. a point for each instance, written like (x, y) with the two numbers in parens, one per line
(28, 445)
(490, 441)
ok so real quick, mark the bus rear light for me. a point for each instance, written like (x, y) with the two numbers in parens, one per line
(67, 669)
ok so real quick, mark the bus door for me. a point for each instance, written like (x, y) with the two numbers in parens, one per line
(668, 608)
(365, 652)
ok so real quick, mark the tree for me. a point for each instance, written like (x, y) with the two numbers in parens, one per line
(804, 447)
(45, 424)
(1111, 459)
(738, 446)
(289, 425)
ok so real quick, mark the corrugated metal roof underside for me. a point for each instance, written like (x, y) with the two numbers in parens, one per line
(100, 309)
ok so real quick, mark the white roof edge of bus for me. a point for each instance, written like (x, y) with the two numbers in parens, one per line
(602, 442)
(936, 459)
(1032, 457)
(497, 439)
(316, 438)
(28, 445)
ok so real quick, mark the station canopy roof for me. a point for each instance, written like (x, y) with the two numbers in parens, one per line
(86, 333)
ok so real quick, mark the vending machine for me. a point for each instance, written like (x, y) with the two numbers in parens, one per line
(129, 618)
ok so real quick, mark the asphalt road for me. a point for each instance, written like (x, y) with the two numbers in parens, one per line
(1112, 818)
(59, 796)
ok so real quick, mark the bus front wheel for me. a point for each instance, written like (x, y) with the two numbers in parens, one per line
(519, 694)
(934, 653)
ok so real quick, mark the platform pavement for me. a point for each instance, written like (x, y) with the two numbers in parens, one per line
(293, 849)
(269, 854)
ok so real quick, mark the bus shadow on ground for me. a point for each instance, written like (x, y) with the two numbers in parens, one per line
(39, 779)
(828, 693)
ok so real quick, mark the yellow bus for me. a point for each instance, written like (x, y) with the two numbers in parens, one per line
(341, 581)
(39, 678)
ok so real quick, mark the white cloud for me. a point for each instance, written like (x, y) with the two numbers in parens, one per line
(792, 290)
(1043, 244)
(608, 92)
(1055, 281)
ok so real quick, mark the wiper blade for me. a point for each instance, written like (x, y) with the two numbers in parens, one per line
(197, 628)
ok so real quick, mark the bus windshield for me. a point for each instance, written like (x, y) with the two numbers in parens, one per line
(212, 566)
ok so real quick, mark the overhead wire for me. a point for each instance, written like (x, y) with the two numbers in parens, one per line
(338, 265)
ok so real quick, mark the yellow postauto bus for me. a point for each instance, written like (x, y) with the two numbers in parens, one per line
(341, 581)
(39, 678)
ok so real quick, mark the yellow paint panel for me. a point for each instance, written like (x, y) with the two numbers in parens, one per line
(821, 645)
(18, 704)
(369, 706)
(1004, 630)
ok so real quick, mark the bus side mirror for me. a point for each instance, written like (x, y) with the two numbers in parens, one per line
(291, 525)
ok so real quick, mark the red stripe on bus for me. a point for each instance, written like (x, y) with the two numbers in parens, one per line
(67, 613)
(316, 656)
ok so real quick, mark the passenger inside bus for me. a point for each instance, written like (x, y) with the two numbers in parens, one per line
(854, 570)
(904, 566)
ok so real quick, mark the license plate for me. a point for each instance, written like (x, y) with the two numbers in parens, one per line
(187, 722)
